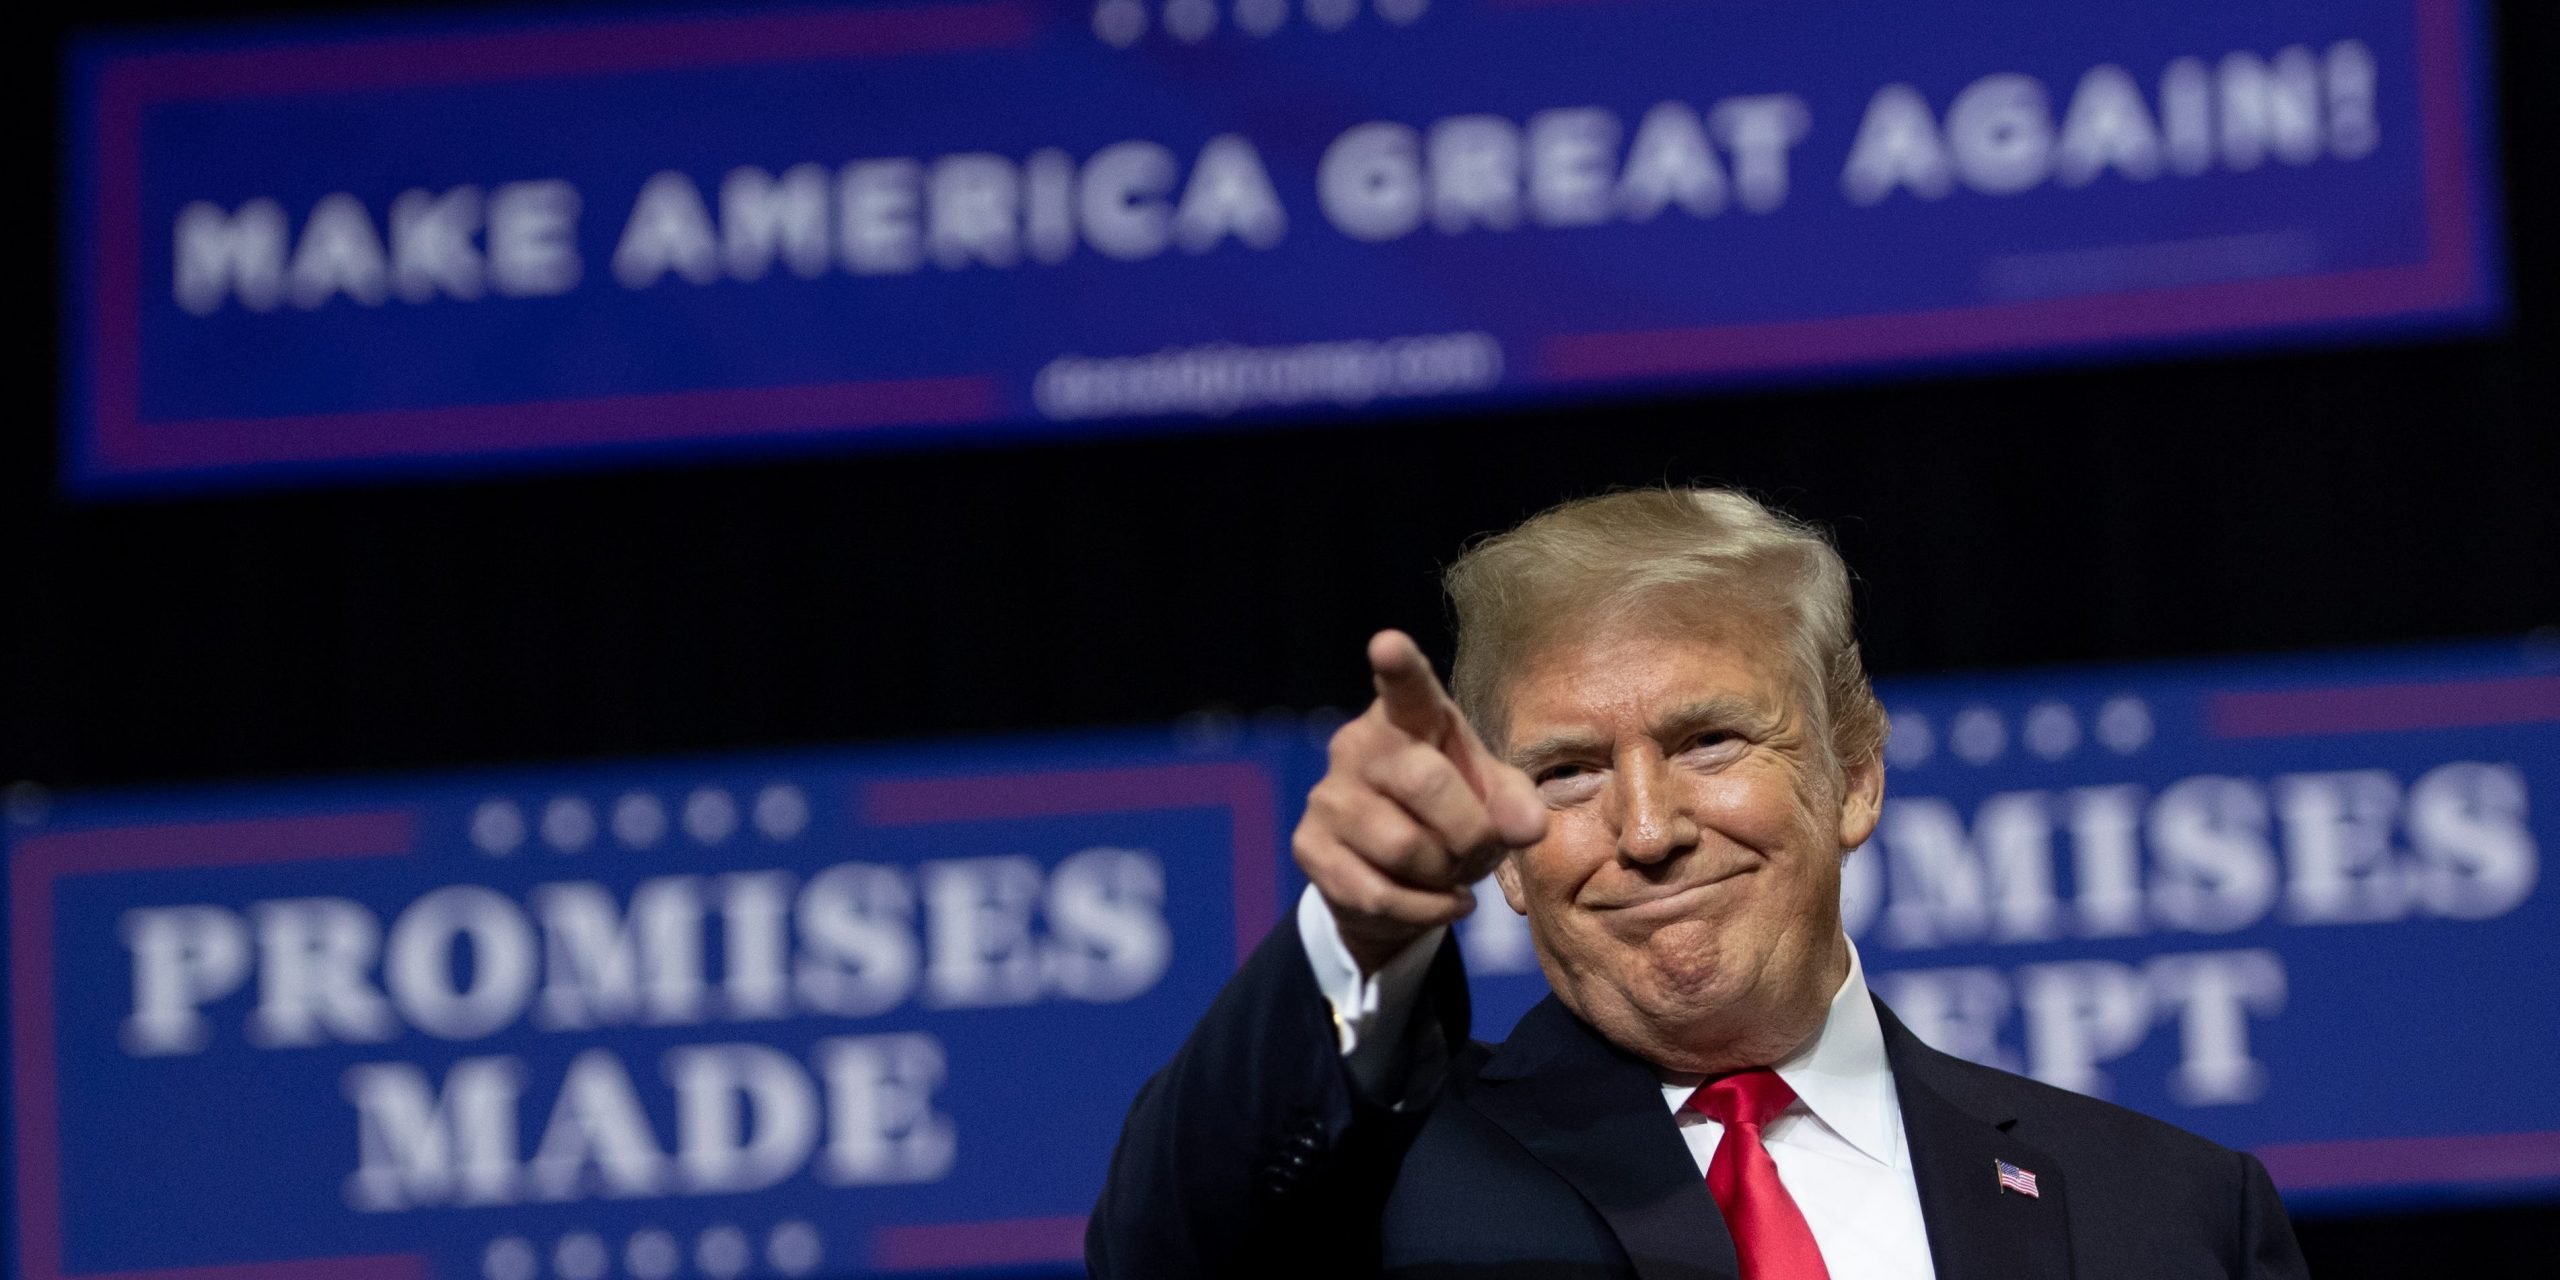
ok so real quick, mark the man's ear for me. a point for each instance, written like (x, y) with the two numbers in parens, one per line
(1862, 801)
(1507, 874)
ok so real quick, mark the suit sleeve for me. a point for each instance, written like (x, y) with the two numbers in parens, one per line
(1254, 1152)
(2267, 1249)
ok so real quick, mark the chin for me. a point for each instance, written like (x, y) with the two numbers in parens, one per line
(1682, 968)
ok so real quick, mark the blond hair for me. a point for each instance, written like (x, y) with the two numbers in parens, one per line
(1699, 557)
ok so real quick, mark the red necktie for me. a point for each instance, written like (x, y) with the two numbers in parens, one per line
(1769, 1232)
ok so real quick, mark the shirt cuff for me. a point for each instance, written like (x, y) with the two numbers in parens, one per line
(1370, 1011)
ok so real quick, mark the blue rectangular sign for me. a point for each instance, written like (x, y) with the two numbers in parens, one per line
(881, 1012)
(812, 1015)
(2280, 903)
(317, 249)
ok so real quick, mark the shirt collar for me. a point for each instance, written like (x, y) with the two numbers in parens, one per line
(1841, 1075)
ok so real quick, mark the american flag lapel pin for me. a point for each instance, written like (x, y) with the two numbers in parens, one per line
(2013, 1178)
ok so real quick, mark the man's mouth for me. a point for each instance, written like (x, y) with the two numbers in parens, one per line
(1671, 902)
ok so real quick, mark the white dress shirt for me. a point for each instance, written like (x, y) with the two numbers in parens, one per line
(1839, 1146)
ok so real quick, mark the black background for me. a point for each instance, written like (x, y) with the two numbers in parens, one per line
(2285, 500)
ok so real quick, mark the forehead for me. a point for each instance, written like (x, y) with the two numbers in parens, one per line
(1624, 677)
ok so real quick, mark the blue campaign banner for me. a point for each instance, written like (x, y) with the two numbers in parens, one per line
(2295, 905)
(314, 249)
(881, 1012)
(812, 1015)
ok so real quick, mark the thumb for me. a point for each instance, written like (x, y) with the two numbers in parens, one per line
(1519, 813)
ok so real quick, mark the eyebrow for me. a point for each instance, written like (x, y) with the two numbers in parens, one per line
(1553, 747)
(1724, 711)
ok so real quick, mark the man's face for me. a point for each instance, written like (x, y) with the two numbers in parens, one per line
(1686, 898)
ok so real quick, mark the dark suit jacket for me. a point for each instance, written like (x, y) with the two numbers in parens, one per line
(1551, 1155)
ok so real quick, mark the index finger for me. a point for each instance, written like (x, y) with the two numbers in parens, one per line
(1407, 691)
(1413, 701)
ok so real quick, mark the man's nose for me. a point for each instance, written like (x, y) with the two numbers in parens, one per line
(1653, 821)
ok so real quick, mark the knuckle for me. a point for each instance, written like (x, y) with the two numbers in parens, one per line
(1306, 850)
(1408, 845)
(1376, 849)
(1426, 772)
(1424, 776)
(1394, 773)
(1324, 797)
(1348, 742)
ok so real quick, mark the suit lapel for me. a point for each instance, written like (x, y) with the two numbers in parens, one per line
(1978, 1229)
(1595, 1117)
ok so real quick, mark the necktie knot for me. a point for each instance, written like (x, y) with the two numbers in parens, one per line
(1745, 1099)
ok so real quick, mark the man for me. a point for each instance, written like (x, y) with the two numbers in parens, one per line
(1678, 749)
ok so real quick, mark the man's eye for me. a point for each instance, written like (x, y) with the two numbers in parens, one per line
(1570, 784)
